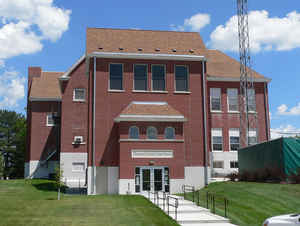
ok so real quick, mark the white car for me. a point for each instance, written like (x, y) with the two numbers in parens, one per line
(283, 220)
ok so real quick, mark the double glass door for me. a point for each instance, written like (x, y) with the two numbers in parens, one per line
(152, 178)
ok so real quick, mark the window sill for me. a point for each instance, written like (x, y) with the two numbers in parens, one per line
(217, 151)
(158, 91)
(50, 125)
(252, 112)
(116, 91)
(182, 92)
(78, 143)
(152, 140)
(141, 91)
(216, 111)
(233, 112)
(79, 101)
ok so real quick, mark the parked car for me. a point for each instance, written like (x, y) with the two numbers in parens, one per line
(283, 220)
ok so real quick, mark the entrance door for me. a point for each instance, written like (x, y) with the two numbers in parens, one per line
(152, 178)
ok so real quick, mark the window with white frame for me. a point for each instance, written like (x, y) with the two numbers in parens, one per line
(133, 132)
(251, 100)
(78, 167)
(232, 99)
(151, 132)
(169, 133)
(158, 77)
(78, 139)
(79, 94)
(217, 139)
(181, 78)
(218, 164)
(140, 77)
(116, 76)
(252, 137)
(50, 120)
(215, 99)
(234, 164)
(234, 139)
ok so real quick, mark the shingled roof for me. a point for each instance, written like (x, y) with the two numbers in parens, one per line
(149, 111)
(46, 86)
(223, 66)
(143, 41)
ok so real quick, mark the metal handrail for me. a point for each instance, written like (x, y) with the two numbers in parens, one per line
(164, 197)
(175, 205)
(211, 203)
(188, 188)
(154, 195)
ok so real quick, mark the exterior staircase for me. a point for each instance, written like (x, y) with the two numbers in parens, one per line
(189, 214)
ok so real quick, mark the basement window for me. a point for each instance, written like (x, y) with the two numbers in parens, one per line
(234, 164)
(218, 164)
(78, 167)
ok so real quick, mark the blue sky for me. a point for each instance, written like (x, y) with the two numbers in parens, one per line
(51, 34)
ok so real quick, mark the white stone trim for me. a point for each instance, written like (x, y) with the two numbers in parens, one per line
(126, 186)
(226, 157)
(237, 79)
(37, 170)
(194, 176)
(150, 153)
(176, 185)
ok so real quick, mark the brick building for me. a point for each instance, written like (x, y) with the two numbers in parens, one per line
(140, 110)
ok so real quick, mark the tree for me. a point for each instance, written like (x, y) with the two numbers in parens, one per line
(1, 166)
(58, 172)
(12, 142)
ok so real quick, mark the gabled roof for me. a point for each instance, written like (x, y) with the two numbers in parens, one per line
(150, 111)
(46, 87)
(143, 41)
(222, 67)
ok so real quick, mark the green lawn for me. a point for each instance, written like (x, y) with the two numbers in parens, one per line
(34, 203)
(251, 203)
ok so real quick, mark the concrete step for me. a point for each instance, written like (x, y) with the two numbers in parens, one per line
(197, 218)
(207, 224)
(185, 209)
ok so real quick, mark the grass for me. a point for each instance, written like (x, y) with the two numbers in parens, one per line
(251, 203)
(35, 203)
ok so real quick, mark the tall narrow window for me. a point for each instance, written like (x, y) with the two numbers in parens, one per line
(116, 76)
(251, 100)
(137, 179)
(169, 133)
(158, 78)
(234, 138)
(151, 132)
(215, 99)
(181, 78)
(232, 98)
(140, 77)
(252, 137)
(134, 132)
(217, 139)
(50, 120)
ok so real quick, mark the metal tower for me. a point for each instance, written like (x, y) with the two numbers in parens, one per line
(247, 121)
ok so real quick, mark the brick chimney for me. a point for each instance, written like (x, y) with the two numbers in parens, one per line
(33, 72)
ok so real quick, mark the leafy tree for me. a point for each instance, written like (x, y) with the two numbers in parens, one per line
(1, 166)
(58, 172)
(12, 142)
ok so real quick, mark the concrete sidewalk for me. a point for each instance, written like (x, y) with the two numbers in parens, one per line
(189, 214)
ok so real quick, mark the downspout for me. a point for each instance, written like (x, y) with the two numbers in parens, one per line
(205, 123)
(94, 123)
(266, 111)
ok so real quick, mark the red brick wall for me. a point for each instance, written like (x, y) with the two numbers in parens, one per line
(74, 114)
(43, 138)
(227, 120)
(110, 104)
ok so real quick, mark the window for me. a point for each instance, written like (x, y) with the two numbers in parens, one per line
(50, 120)
(78, 139)
(79, 94)
(234, 138)
(158, 77)
(218, 164)
(166, 179)
(215, 99)
(232, 98)
(140, 77)
(78, 167)
(137, 179)
(151, 132)
(116, 76)
(234, 164)
(181, 78)
(251, 100)
(217, 140)
(252, 137)
(169, 133)
(134, 132)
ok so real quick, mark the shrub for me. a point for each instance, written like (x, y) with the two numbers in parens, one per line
(232, 176)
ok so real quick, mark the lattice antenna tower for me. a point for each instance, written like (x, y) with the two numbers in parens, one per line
(247, 121)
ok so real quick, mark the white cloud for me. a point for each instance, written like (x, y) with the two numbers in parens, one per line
(266, 33)
(27, 22)
(194, 23)
(284, 110)
(284, 131)
(12, 89)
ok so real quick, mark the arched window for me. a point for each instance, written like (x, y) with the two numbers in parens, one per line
(151, 132)
(134, 132)
(169, 133)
